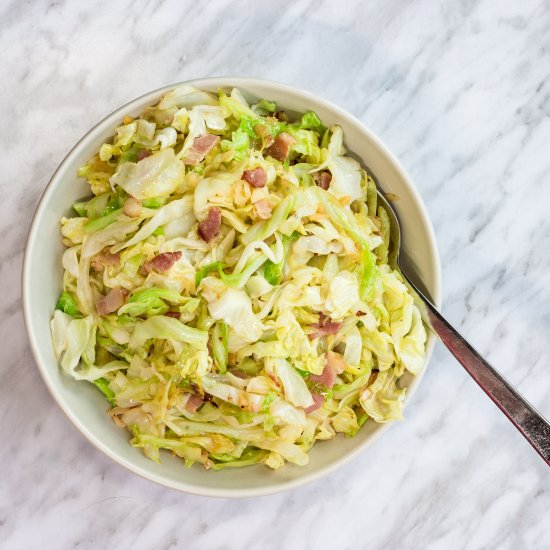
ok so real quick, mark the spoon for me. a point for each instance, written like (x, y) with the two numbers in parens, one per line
(532, 425)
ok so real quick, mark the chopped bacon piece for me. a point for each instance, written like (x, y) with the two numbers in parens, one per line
(202, 145)
(132, 207)
(318, 401)
(263, 209)
(143, 153)
(325, 326)
(335, 365)
(210, 226)
(193, 403)
(205, 144)
(104, 259)
(112, 301)
(256, 177)
(161, 263)
(173, 314)
(322, 179)
(326, 378)
(281, 146)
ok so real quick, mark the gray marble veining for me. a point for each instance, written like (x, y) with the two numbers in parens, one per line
(460, 91)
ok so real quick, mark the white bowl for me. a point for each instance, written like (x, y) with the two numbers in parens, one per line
(86, 407)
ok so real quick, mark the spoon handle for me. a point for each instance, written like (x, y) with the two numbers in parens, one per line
(532, 425)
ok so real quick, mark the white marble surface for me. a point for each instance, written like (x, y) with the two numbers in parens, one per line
(460, 91)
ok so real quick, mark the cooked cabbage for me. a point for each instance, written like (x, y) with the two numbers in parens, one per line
(231, 310)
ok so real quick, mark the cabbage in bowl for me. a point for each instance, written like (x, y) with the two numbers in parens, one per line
(227, 286)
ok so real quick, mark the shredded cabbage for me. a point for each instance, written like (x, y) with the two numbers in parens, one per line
(230, 310)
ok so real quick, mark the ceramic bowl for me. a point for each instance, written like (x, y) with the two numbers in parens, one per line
(86, 407)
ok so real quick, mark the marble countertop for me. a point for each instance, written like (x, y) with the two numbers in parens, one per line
(460, 91)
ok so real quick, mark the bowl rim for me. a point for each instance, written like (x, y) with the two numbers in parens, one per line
(57, 394)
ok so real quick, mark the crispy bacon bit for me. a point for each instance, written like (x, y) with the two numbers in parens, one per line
(193, 403)
(112, 301)
(281, 146)
(210, 227)
(132, 207)
(173, 314)
(322, 179)
(143, 153)
(318, 401)
(325, 326)
(202, 145)
(263, 209)
(256, 177)
(104, 259)
(161, 263)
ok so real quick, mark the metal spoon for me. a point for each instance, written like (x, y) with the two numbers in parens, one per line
(532, 425)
